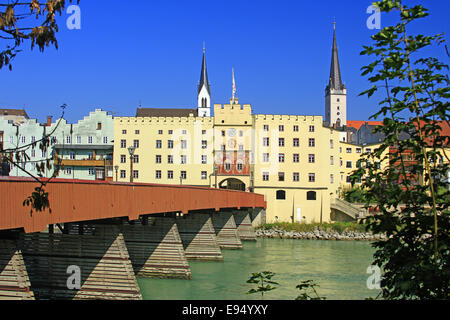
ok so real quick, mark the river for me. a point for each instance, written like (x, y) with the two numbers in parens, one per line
(338, 267)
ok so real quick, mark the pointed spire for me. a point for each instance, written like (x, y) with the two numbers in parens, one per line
(204, 74)
(335, 72)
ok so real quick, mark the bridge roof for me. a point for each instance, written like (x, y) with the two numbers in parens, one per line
(83, 201)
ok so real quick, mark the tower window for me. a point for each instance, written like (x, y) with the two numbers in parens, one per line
(311, 195)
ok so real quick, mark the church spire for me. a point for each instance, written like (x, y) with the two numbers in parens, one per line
(335, 72)
(204, 90)
(204, 75)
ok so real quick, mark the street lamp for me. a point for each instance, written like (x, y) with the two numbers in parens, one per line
(131, 151)
(117, 170)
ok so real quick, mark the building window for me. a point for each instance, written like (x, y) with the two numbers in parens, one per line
(241, 133)
(123, 143)
(123, 158)
(90, 140)
(170, 144)
(124, 131)
(170, 175)
(135, 158)
(227, 166)
(183, 144)
(105, 140)
(204, 159)
(136, 144)
(204, 144)
(349, 150)
(203, 131)
(348, 179)
(204, 175)
(33, 153)
(312, 142)
(241, 147)
(331, 160)
(158, 144)
(183, 175)
(368, 150)
(170, 159)
(68, 140)
(296, 177)
(265, 157)
(311, 195)
(91, 171)
(312, 177)
(123, 174)
(33, 139)
(281, 157)
(158, 174)
(135, 174)
(24, 140)
(280, 176)
(296, 142)
(281, 142)
(223, 147)
(170, 132)
(348, 164)
(281, 128)
(311, 158)
(240, 166)
(223, 133)
(331, 144)
(331, 178)
(68, 171)
(158, 159)
(281, 195)
(137, 132)
(266, 127)
(78, 139)
(265, 142)
(184, 131)
(311, 128)
(265, 176)
(99, 126)
(358, 150)
(71, 156)
(295, 128)
(160, 132)
(183, 159)
(296, 158)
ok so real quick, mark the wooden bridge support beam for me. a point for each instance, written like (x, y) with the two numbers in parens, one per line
(14, 280)
(245, 229)
(198, 237)
(226, 231)
(104, 266)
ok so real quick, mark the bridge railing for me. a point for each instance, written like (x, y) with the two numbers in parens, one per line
(78, 200)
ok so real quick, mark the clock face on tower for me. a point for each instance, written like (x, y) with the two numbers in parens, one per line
(232, 132)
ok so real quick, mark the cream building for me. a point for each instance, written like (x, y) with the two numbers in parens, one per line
(297, 162)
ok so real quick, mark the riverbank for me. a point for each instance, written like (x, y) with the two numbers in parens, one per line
(326, 231)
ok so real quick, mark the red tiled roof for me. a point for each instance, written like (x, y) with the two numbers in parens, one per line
(357, 124)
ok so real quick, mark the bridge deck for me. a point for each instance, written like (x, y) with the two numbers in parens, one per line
(78, 200)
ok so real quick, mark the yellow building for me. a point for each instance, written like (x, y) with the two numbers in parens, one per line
(298, 162)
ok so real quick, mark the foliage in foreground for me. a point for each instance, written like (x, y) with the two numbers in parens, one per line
(415, 258)
(264, 282)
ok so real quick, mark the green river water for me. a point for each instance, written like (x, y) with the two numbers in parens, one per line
(339, 267)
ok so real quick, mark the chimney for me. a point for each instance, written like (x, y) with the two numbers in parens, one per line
(49, 121)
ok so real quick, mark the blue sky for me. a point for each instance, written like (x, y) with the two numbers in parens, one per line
(151, 51)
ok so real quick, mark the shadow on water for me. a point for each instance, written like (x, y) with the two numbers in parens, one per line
(339, 267)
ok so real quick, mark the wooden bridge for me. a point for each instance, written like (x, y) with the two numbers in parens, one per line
(112, 232)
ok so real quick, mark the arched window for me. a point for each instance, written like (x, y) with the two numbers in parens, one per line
(281, 195)
(311, 195)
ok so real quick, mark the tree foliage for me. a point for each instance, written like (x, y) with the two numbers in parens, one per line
(411, 195)
(23, 21)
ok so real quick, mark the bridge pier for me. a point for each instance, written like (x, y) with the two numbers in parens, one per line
(198, 237)
(244, 225)
(14, 280)
(225, 229)
(105, 270)
(155, 249)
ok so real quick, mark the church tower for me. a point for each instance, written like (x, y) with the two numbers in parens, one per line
(335, 92)
(204, 91)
